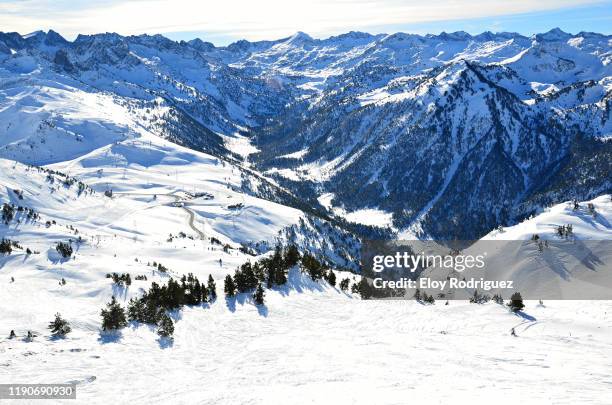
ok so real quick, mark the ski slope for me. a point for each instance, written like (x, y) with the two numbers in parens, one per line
(313, 344)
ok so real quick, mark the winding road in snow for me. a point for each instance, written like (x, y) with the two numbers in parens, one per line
(191, 214)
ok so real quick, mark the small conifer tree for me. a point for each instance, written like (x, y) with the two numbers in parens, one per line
(230, 286)
(59, 326)
(258, 295)
(113, 317)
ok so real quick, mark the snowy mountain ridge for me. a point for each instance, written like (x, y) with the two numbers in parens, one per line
(443, 114)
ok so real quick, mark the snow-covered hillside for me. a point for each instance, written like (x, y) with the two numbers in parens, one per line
(314, 344)
(565, 252)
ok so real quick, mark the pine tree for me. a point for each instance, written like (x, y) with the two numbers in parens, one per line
(331, 278)
(240, 281)
(292, 256)
(275, 268)
(313, 267)
(203, 293)
(136, 310)
(498, 299)
(250, 280)
(364, 289)
(165, 326)
(59, 327)
(344, 284)
(258, 295)
(113, 317)
(259, 272)
(212, 288)
(516, 302)
(230, 286)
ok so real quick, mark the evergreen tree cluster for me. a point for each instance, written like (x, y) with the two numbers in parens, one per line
(248, 277)
(313, 267)
(168, 297)
(152, 307)
(120, 279)
(363, 288)
(565, 231)
(6, 247)
(344, 284)
(428, 299)
(8, 213)
(64, 179)
(423, 297)
(272, 271)
(479, 298)
(275, 268)
(64, 249)
(330, 277)
(160, 267)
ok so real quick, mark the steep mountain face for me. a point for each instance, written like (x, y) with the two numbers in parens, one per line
(447, 135)
(452, 134)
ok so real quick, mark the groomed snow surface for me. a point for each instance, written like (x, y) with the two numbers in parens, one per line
(320, 346)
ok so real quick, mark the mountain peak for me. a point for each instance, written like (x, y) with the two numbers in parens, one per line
(299, 37)
(454, 36)
(555, 34)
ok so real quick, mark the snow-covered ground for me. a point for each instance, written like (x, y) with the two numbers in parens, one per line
(313, 344)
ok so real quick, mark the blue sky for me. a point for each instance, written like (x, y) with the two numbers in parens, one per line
(222, 22)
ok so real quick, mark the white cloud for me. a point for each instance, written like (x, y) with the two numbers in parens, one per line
(252, 19)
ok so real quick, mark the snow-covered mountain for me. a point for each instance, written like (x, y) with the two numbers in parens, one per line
(158, 159)
(487, 128)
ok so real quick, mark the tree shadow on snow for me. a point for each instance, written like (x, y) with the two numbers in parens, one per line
(262, 310)
(298, 282)
(231, 303)
(57, 338)
(526, 316)
(109, 337)
(165, 342)
(120, 291)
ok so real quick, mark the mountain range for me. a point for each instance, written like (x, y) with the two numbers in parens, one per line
(444, 136)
